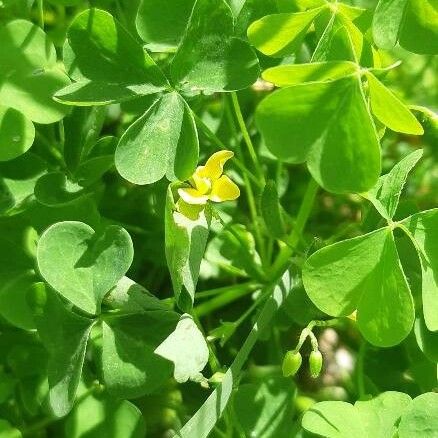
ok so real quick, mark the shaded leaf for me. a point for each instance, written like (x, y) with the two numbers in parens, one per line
(424, 229)
(83, 265)
(363, 273)
(56, 324)
(164, 141)
(209, 58)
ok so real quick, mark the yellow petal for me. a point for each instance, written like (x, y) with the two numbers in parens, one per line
(201, 183)
(224, 190)
(215, 164)
(192, 196)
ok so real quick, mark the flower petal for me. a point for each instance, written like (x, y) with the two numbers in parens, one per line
(201, 183)
(224, 190)
(215, 164)
(192, 196)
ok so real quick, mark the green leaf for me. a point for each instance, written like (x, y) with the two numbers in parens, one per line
(413, 22)
(89, 93)
(272, 211)
(163, 141)
(334, 419)
(209, 58)
(387, 20)
(421, 420)
(14, 306)
(386, 193)
(162, 23)
(281, 34)
(327, 124)
(29, 73)
(8, 431)
(16, 133)
(107, 62)
(55, 189)
(424, 229)
(83, 265)
(130, 366)
(375, 418)
(419, 33)
(265, 409)
(186, 348)
(81, 131)
(65, 336)
(98, 416)
(381, 414)
(185, 241)
(390, 110)
(363, 273)
(427, 341)
(294, 74)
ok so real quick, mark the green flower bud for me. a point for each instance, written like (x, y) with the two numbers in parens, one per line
(315, 363)
(291, 363)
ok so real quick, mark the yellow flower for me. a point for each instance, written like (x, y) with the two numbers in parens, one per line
(209, 184)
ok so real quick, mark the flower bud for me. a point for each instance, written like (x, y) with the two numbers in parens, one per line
(291, 363)
(315, 363)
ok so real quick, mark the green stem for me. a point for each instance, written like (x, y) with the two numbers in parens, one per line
(220, 290)
(283, 259)
(233, 294)
(41, 12)
(360, 371)
(246, 136)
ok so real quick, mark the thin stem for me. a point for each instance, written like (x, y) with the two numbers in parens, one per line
(249, 191)
(360, 371)
(221, 290)
(222, 300)
(41, 13)
(283, 258)
(246, 136)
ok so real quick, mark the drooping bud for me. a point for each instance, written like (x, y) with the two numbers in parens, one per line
(315, 363)
(291, 363)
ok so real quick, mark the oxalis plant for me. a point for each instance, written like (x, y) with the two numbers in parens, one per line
(218, 218)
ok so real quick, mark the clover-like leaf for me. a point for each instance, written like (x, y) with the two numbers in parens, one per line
(164, 141)
(186, 348)
(109, 417)
(421, 420)
(29, 72)
(16, 133)
(162, 23)
(265, 409)
(424, 230)
(363, 273)
(281, 34)
(386, 193)
(390, 110)
(55, 189)
(329, 126)
(130, 366)
(412, 22)
(65, 336)
(83, 265)
(209, 57)
(427, 341)
(375, 418)
(186, 240)
(333, 419)
(106, 62)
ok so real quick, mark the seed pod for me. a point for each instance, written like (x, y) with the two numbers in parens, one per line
(291, 363)
(315, 363)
